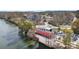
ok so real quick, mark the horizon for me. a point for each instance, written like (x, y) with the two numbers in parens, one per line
(43, 11)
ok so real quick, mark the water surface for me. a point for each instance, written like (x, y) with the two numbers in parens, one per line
(9, 36)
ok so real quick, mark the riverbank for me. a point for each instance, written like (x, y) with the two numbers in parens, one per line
(14, 38)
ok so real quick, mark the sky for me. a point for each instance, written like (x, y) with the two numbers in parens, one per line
(38, 5)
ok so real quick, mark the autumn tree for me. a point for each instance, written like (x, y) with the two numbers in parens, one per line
(75, 26)
(25, 25)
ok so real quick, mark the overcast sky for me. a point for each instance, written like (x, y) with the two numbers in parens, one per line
(38, 5)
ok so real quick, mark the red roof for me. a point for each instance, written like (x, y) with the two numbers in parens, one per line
(44, 33)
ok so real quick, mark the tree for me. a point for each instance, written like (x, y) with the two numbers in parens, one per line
(25, 25)
(67, 40)
(75, 26)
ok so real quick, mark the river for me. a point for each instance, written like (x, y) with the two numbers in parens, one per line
(10, 38)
